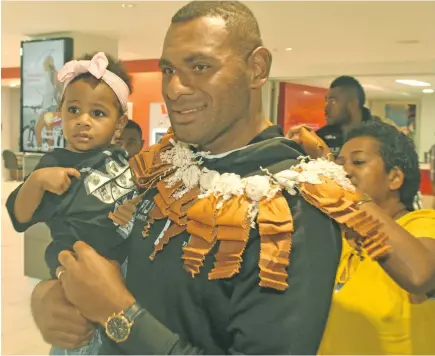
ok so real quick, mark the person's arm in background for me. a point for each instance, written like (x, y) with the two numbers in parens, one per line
(312, 144)
(262, 321)
(411, 261)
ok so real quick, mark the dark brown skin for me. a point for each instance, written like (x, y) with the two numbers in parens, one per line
(75, 330)
(342, 109)
(411, 262)
(202, 68)
(90, 115)
(87, 275)
(131, 141)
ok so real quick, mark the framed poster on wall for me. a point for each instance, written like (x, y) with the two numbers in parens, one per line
(403, 115)
(41, 129)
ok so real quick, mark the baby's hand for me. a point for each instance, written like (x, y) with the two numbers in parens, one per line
(55, 179)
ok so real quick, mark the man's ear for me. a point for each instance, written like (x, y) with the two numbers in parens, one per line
(260, 62)
(353, 105)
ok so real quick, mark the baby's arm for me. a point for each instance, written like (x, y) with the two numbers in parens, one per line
(54, 179)
(28, 198)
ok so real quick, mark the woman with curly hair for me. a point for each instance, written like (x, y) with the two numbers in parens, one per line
(385, 306)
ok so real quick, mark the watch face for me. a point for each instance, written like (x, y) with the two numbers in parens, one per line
(118, 328)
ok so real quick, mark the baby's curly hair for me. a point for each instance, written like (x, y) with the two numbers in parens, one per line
(114, 66)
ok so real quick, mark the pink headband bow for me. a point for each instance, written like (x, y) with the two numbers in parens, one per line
(97, 67)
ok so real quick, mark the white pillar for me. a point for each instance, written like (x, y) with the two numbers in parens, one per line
(270, 100)
(426, 125)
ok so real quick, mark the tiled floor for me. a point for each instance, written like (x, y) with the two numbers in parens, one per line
(19, 333)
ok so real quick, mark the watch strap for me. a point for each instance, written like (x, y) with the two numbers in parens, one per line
(133, 311)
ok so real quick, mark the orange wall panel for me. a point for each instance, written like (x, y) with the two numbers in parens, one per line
(11, 73)
(142, 65)
(301, 104)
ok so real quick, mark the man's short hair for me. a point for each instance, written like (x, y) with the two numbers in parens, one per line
(133, 125)
(353, 86)
(240, 22)
(355, 89)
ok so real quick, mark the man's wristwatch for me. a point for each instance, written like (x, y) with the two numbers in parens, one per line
(118, 326)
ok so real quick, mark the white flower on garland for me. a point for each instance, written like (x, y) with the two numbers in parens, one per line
(207, 182)
(227, 185)
(179, 156)
(288, 179)
(257, 187)
(191, 176)
(322, 167)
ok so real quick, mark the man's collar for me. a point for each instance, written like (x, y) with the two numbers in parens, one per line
(270, 132)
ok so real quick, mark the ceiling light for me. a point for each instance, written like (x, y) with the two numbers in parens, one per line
(289, 49)
(13, 85)
(413, 83)
(372, 87)
(128, 6)
(428, 91)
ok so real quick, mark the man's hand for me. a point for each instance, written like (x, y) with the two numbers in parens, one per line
(59, 322)
(55, 179)
(295, 131)
(93, 284)
(312, 144)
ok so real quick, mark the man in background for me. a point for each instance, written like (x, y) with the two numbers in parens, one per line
(344, 109)
(131, 139)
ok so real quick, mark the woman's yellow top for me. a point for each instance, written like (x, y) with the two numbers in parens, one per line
(370, 314)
